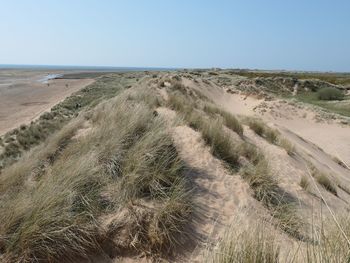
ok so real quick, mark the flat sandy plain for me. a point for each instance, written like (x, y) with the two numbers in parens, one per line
(25, 95)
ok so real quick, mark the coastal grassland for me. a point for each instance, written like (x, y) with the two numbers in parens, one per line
(334, 78)
(311, 96)
(25, 137)
(120, 185)
(341, 107)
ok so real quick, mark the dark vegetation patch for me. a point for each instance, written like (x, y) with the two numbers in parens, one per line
(334, 78)
(330, 94)
(304, 183)
(82, 75)
(342, 108)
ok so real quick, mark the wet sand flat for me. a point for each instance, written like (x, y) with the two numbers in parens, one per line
(24, 95)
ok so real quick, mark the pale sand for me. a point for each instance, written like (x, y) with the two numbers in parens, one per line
(23, 98)
(219, 195)
(332, 137)
(316, 142)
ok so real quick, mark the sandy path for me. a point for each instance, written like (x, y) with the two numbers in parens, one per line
(20, 103)
(219, 196)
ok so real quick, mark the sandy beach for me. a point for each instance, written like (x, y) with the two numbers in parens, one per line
(25, 95)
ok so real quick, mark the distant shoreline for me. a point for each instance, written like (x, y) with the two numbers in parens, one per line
(81, 68)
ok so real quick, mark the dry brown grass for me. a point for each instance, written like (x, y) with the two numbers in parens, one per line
(304, 183)
(258, 242)
(324, 181)
(213, 132)
(266, 190)
(127, 157)
(240, 244)
(287, 145)
(180, 103)
(331, 242)
(271, 135)
(230, 121)
(221, 143)
(261, 129)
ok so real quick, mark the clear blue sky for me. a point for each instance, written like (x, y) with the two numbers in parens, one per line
(265, 34)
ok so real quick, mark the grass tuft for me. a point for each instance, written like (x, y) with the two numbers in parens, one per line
(287, 145)
(304, 183)
(257, 126)
(324, 181)
(267, 191)
(242, 245)
(230, 121)
(261, 129)
(220, 142)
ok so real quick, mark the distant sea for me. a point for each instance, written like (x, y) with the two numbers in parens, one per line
(81, 68)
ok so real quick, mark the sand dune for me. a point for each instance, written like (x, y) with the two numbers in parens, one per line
(255, 178)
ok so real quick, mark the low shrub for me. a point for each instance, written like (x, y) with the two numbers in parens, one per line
(330, 94)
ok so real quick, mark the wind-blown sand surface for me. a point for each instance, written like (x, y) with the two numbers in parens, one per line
(24, 97)
(329, 135)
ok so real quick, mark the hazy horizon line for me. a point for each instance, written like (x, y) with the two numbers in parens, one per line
(61, 66)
